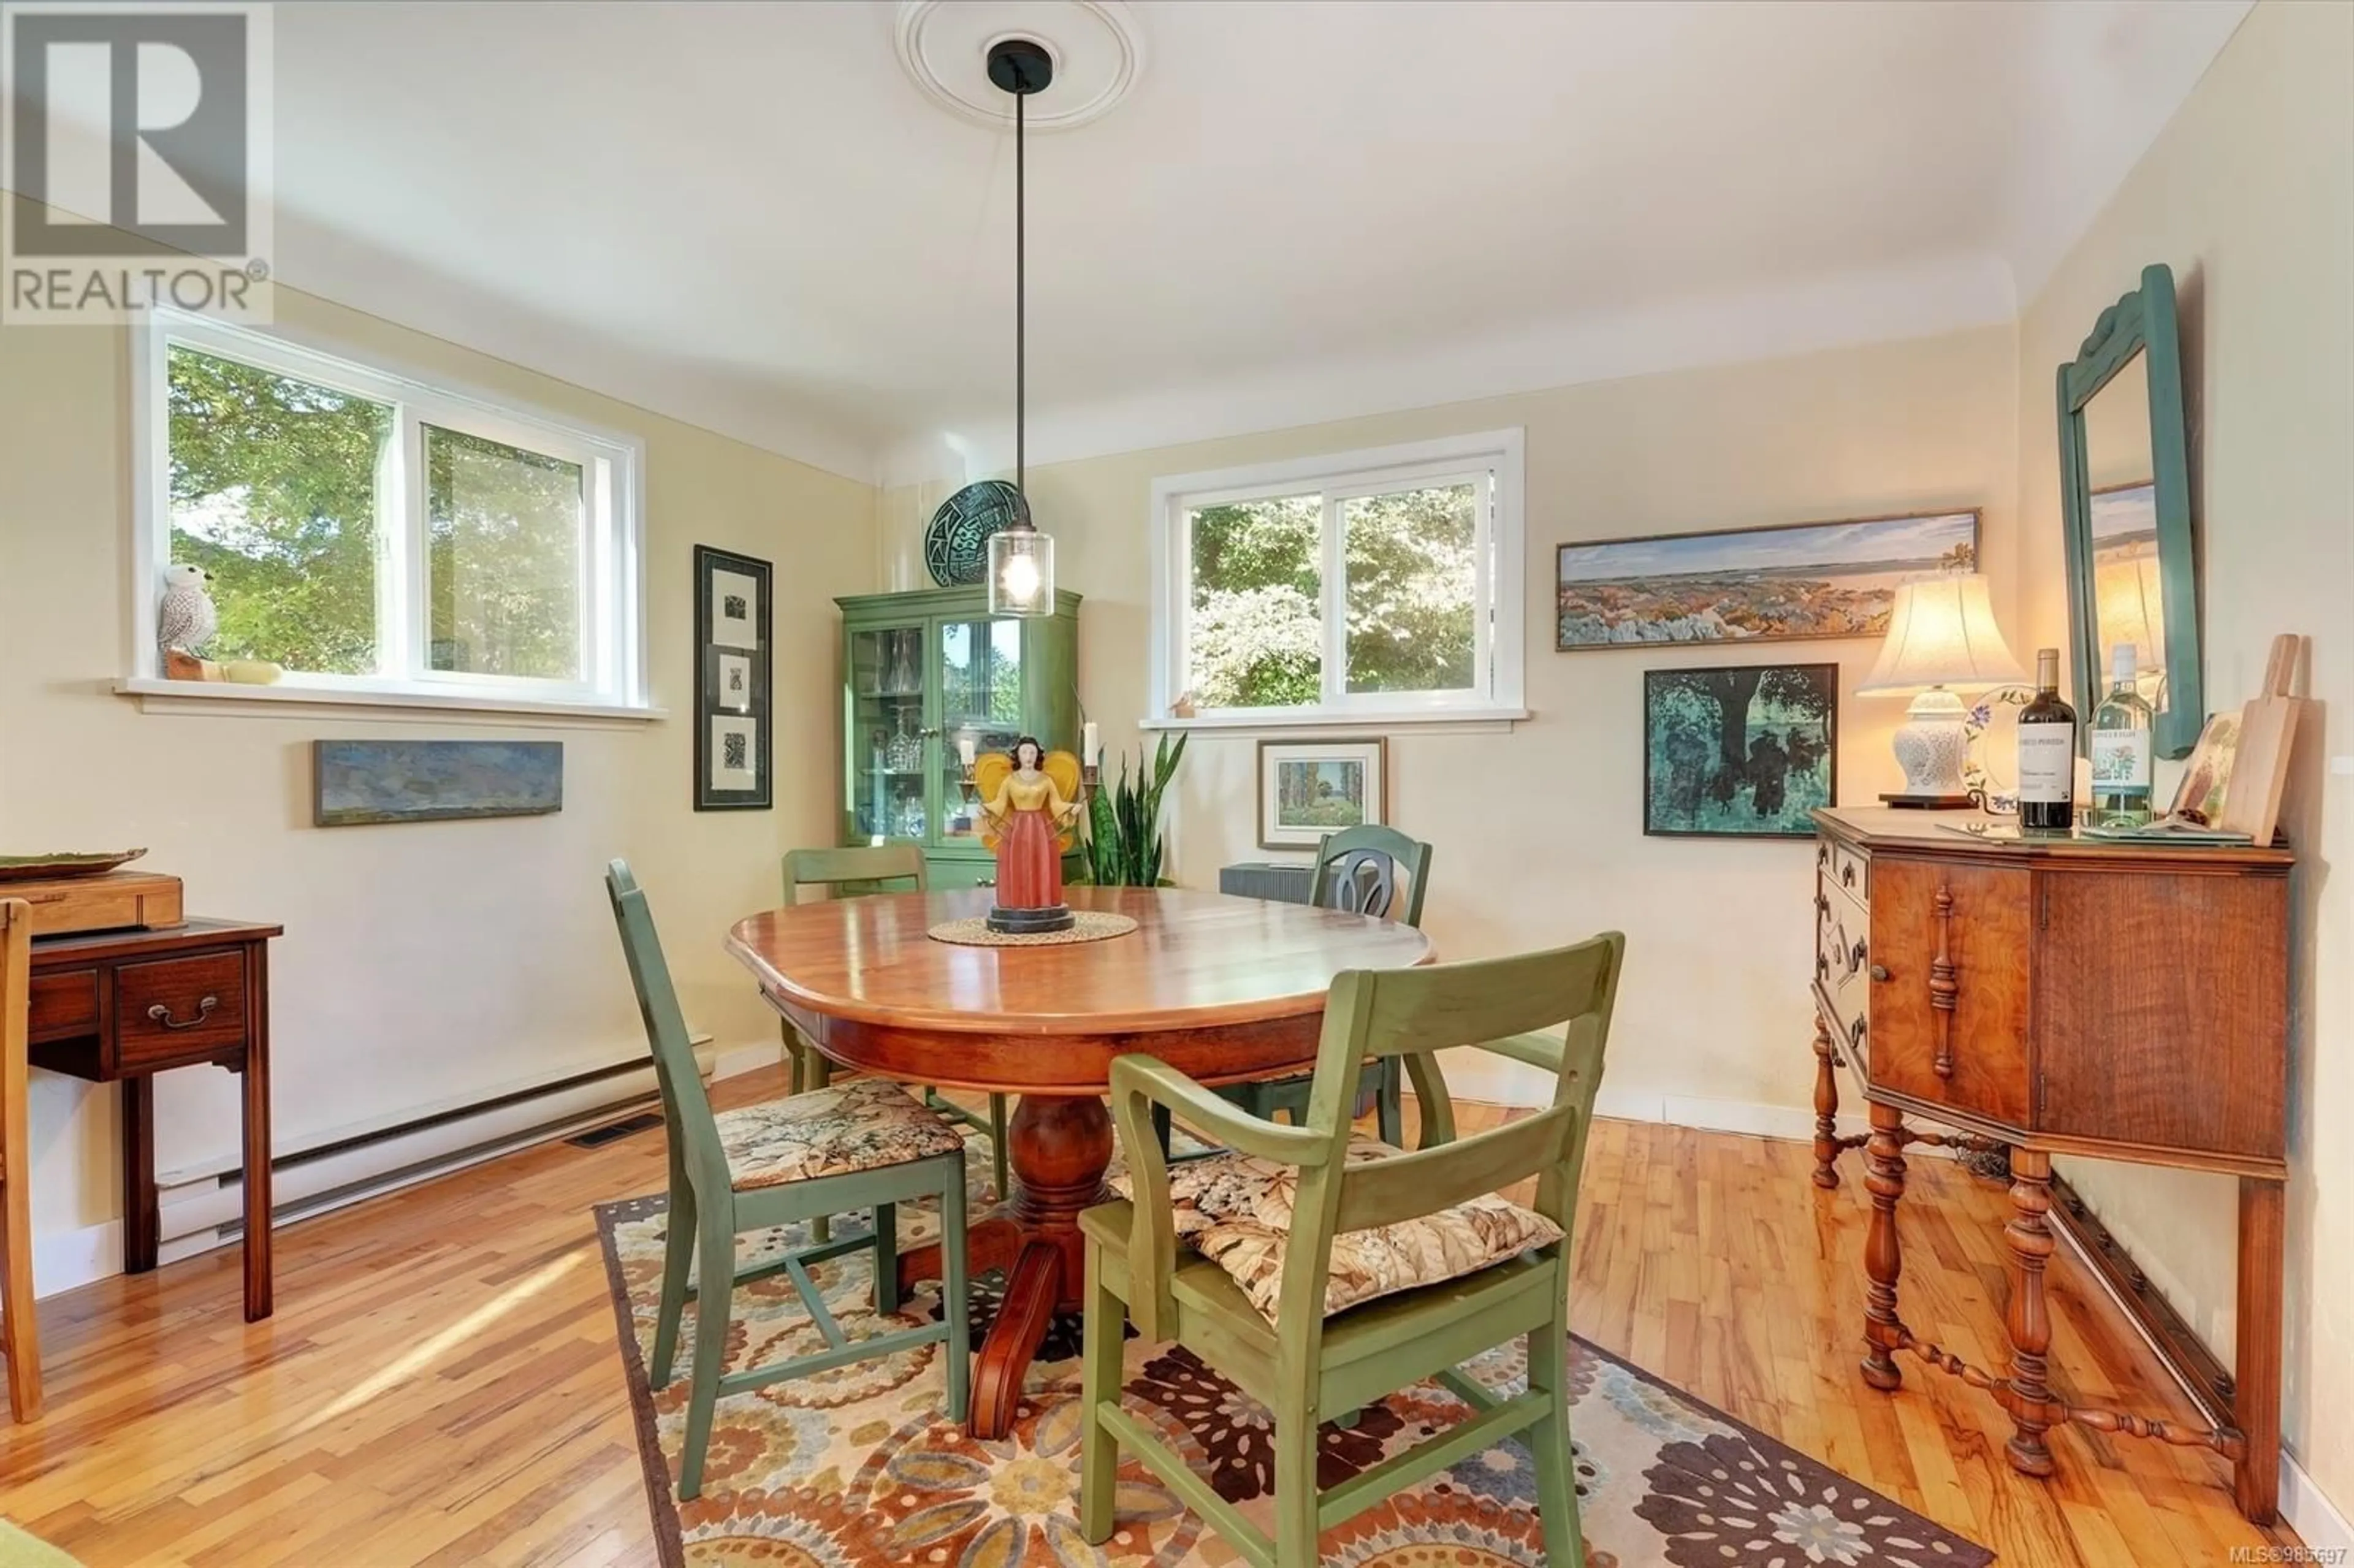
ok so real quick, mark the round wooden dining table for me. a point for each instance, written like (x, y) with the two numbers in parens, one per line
(1226, 990)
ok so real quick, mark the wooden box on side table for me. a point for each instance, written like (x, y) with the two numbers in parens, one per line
(117, 900)
(2128, 1002)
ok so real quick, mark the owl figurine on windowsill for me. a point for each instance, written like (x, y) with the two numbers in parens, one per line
(187, 620)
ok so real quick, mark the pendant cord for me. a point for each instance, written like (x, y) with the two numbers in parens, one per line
(1021, 323)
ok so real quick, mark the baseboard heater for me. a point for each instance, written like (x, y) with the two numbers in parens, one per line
(198, 1212)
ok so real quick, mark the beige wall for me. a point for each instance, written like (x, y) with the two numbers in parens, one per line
(1538, 832)
(421, 963)
(2248, 194)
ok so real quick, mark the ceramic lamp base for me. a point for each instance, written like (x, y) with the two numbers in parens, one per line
(1931, 747)
(1025, 922)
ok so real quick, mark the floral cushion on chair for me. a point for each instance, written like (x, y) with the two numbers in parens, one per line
(866, 1124)
(1236, 1211)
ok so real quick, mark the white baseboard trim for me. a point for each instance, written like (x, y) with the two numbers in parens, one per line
(64, 1260)
(67, 1260)
(1793, 1123)
(2312, 1516)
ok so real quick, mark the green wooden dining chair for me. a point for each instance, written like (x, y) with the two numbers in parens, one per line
(1272, 1300)
(867, 1145)
(1358, 870)
(854, 871)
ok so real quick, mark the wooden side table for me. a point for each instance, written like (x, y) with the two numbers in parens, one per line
(121, 1006)
(2123, 1001)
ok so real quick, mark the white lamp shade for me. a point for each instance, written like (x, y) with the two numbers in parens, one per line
(1942, 633)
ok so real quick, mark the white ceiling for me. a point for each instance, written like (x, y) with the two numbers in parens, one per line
(749, 216)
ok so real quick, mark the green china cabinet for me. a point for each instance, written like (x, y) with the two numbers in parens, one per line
(918, 671)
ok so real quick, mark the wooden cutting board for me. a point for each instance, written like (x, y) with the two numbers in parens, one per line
(2267, 735)
(65, 905)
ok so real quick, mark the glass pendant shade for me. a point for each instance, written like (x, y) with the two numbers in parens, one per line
(1021, 572)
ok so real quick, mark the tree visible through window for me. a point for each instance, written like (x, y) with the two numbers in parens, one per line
(360, 527)
(502, 562)
(273, 487)
(1413, 573)
(1258, 622)
(1408, 595)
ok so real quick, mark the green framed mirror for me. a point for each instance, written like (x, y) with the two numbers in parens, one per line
(2125, 495)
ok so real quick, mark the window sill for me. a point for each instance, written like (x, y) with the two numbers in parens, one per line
(1496, 720)
(158, 696)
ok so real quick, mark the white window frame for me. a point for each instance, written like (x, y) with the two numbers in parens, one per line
(612, 682)
(1496, 692)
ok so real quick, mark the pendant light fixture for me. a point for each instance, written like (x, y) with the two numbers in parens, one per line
(1020, 558)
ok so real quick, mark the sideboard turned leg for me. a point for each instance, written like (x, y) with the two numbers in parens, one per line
(1884, 1258)
(1827, 1145)
(2029, 1320)
(2256, 1367)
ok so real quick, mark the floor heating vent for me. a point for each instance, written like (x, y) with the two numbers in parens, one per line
(598, 1136)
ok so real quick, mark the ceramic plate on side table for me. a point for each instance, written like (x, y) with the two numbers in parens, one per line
(26, 867)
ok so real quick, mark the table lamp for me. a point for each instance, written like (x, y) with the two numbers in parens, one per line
(1941, 634)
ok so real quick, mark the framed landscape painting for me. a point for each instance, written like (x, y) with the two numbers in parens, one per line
(1753, 585)
(1310, 787)
(1745, 752)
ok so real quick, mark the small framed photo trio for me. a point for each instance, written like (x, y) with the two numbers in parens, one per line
(732, 743)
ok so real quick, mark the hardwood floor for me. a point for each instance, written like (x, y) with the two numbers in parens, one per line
(441, 1383)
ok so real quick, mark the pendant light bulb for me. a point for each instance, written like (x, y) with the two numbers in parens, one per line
(1020, 558)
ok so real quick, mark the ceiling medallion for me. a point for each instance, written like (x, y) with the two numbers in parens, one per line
(1095, 47)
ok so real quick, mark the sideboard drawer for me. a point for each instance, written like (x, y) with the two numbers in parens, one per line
(1949, 984)
(64, 1006)
(1850, 872)
(1843, 962)
(189, 1009)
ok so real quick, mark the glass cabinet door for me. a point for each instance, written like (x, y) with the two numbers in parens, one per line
(886, 737)
(980, 699)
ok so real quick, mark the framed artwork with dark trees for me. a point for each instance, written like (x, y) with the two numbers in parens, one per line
(1740, 752)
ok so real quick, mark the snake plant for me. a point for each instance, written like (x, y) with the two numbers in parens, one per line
(1124, 846)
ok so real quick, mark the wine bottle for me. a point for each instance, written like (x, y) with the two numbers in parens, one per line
(2047, 753)
(2121, 748)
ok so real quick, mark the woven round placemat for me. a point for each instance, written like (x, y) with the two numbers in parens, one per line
(1091, 926)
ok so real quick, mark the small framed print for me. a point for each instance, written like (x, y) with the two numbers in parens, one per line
(732, 761)
(1310, 787)
(734, 600)
(732, 744)
(735, 683)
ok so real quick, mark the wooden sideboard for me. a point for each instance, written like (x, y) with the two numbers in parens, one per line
(2059, 996)
(121, 1006)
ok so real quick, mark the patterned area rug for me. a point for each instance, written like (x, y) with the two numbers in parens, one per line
(858, 1469)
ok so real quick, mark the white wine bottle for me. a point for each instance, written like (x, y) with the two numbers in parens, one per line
(2121, 748)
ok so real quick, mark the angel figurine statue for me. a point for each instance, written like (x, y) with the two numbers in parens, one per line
(1030, 804)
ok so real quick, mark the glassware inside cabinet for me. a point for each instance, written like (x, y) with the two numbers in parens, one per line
(886, 693)
(981, 701)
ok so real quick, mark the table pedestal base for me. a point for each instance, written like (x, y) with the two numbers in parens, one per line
(1059, 1149)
